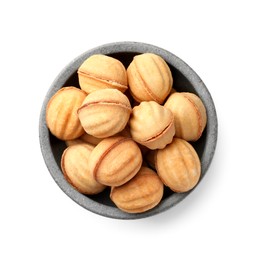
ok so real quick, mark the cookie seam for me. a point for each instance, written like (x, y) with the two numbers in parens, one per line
(198, 115)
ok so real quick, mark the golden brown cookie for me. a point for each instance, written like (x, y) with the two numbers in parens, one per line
(61, 113)
(150, 78)
(104, 112)
(152, 125)
(189, 113)
(141, 193)
(100, 72)
(75, 167)
(178, 165)
(115, 160)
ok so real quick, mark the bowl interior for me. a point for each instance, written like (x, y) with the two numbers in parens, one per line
(181, 83)
(185, 79)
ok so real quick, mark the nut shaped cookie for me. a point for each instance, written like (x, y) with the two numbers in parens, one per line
(104, 112)
(178, 166)
(150, 78)
(61, 113)
(100, 71)
(115, 160)
(189, 113)
(141, 193)
(152, 125)
(75, 167)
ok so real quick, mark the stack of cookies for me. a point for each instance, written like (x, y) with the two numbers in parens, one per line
(128, 130)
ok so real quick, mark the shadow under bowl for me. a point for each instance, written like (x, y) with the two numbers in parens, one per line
(185, 79)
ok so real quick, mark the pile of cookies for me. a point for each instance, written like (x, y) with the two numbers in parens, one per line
(127, 129)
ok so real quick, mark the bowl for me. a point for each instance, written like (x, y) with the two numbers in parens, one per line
(185, 79)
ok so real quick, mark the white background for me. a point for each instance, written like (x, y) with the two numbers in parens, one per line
(219, 40)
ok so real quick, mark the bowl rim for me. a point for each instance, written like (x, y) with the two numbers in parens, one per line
(131, 47)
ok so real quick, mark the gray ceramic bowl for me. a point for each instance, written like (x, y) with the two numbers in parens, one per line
(185, 79)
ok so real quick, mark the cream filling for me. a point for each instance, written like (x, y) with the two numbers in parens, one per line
(103, 102)
(112, 82)
(158, 135)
